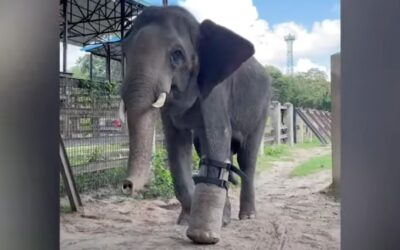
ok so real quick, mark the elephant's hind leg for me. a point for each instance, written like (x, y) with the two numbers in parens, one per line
(247, 159)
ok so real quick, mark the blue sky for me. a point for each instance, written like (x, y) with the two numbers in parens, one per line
(304, 12)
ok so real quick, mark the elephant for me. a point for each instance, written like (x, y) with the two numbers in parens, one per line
(212, 95)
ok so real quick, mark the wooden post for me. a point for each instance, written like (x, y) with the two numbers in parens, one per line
(288, 118)
(277, 122)
(300, 134)
(69, 182)
(335, 124)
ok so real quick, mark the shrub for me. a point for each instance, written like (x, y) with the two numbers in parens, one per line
(161, 184)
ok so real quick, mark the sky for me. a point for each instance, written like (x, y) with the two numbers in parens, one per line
(315, 23)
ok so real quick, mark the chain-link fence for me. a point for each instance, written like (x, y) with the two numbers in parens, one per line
(97, 144)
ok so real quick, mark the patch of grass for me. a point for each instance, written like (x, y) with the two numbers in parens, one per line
(65, 209)
(273, 153)
(279, 152)
(313, 165)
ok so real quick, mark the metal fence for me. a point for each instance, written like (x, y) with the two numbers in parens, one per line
(97, 146)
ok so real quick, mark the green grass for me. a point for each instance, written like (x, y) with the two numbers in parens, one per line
(313, 165)
(273, 153)
(310, 144)
(65, 209)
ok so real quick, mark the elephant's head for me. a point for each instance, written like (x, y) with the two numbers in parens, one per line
(171, 61)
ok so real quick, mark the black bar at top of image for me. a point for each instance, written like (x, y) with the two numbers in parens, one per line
(29, 108)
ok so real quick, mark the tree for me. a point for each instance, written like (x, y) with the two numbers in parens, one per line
(309, 89)
(99, 85)
(82, 68)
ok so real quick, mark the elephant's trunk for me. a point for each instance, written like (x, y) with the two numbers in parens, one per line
(141, 131)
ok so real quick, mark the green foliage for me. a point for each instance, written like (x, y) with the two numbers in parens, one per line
(308, 90)
(109, 178)
(82, 68)
(313, 165)
(277, 151)
(86, 154)
(273, 153)
(161, 185)
(98, 88)
(196, 161)
(65, 209)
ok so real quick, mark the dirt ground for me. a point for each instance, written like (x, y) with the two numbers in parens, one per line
(292, 213)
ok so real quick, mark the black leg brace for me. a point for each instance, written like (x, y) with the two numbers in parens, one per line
(220, 181)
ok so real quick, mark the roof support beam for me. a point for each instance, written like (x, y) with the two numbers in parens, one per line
(65, 40)
(122, 37)
(91, 66)
(108, 63)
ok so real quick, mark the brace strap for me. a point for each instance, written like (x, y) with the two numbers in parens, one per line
(218, 181)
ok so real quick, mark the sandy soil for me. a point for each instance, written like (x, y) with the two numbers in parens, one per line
(292, 214)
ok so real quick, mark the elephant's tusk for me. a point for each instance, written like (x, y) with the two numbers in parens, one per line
(121, 111)
(160, 101)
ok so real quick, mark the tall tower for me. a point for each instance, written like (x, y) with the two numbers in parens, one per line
(289, 39)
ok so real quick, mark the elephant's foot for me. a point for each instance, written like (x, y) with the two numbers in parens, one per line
(133, 184)
(247, 215)
(183, 218)
(206, 214)
(127, 186)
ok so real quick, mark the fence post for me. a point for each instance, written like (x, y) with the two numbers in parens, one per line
(335, 120)
(276, 122)
(288, 118)
(301, 132)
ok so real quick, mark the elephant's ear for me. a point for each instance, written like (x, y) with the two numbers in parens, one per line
(221, 52)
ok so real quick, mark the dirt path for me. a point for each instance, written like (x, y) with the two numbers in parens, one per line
(292, 214)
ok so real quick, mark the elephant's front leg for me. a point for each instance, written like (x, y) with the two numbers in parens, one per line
(210, 193)
(179, 147)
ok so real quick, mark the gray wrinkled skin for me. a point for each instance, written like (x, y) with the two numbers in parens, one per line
(217, 98)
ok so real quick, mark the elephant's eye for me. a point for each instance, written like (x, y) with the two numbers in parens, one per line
(177, 58)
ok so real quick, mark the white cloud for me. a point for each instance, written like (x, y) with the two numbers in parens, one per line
(312, 47)
(304, 64)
